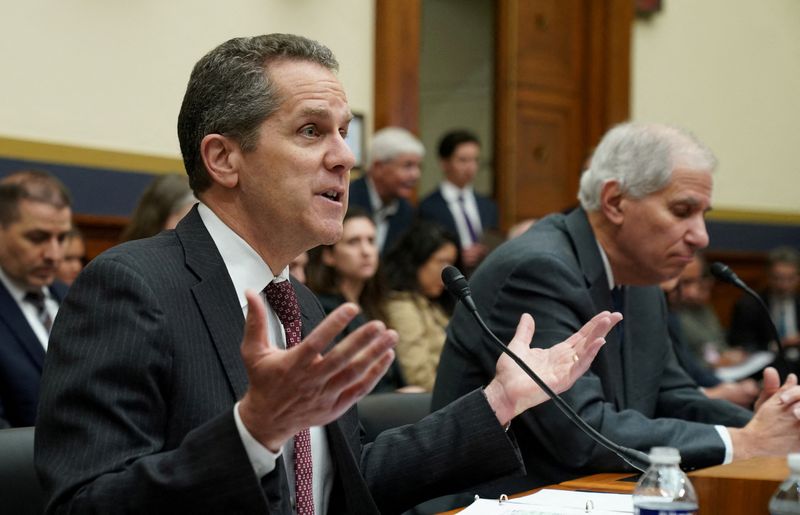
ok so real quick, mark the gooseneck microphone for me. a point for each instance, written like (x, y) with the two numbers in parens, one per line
(457, 285)
(724, 273)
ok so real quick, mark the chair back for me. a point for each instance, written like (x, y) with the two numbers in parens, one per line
(20, 492)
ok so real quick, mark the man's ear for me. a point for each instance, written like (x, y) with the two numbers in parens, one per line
(612, 201)
(221, 156)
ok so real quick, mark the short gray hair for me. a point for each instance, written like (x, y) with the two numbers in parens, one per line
(641, 157)
(231, 93)
(390, 142)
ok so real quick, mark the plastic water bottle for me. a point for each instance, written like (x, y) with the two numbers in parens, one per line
(786, 500)
(664, 489)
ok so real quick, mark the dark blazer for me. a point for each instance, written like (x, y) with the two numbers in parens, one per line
(142, 374)
(434, 208)
(398, 223)
(21, 360)
(750, 325)
(635, 394)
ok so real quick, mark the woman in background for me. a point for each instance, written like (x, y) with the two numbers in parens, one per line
(74, 257)
(416, 308)
(162, 205)
(347, 271)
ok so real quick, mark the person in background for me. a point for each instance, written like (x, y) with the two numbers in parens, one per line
(298, 267)
(750, 327)
(454, 204)
(74, 257)
(743, 392)
(416, 307)
(189, 373)
(643, 202)
(162, 205)
(348, 271)
(35, 217)
(691, 302)
(395, 159)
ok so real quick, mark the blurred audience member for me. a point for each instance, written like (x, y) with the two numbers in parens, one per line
(701, 328)
(162, 205)
(743, 392)
(750, 327)
(347, 271)
(455, 205)
(520, 227)
(74, 257)
(298, 267)
(395, 167)
(35, 217)
(416, 308)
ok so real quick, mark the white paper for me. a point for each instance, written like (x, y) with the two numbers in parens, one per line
(754, 363)
(555, 502)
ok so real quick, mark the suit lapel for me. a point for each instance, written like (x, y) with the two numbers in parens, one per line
(609, 360)
(216, 298)
(15, 319)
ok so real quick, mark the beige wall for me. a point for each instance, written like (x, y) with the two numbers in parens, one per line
(729, 71)
(111, 75)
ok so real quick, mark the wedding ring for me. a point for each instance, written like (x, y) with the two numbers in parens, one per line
(575, 358)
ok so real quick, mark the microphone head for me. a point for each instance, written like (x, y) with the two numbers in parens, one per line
(455, 282)
(724, 273)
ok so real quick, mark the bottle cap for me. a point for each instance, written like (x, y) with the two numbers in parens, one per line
(666, 455)
(794, 462)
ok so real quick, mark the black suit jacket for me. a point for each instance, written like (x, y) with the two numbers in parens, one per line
(750, 325)
(434, 208)
(138, 389)
(634, 393)
(398, 223)
(21, 361)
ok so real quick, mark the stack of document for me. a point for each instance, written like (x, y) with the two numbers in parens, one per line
(555, 502)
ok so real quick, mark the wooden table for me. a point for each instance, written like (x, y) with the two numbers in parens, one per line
(739, 488)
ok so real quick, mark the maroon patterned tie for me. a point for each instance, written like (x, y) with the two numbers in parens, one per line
(283, 301)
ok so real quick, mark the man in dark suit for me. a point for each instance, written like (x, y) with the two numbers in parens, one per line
(642, 218)
(454, 204)
(395, 158)
(35, 217)
(750, 327)
(159, 338)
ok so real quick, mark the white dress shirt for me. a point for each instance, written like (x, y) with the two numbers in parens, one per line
(29, 310)
(451, 194)
(722, 430)
(248, 270)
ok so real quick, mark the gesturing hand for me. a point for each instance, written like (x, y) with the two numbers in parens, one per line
(511, 391)
(299, 387)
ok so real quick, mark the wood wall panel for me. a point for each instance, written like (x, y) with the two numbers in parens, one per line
(564, 56)
(551, 49)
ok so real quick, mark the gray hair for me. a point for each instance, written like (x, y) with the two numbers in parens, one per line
(390, 142)
(786, 254)
(641, 157)
(231, 93)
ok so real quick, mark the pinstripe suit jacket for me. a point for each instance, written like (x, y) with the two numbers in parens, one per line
(141, 377)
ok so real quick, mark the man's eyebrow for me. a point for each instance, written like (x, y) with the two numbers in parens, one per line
(691, 202)
(317, 112)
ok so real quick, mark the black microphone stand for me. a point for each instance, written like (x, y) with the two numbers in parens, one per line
(457, 285)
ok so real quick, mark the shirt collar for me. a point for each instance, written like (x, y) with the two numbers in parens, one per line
(17, 293)
(378, 207)
(245, 266)
(606, 265)
(451, 192)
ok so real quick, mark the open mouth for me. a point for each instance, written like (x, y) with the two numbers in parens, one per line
(332, 195)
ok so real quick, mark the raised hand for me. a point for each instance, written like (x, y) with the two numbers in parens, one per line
(297, 388)
(775, 428)
(511, 391)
